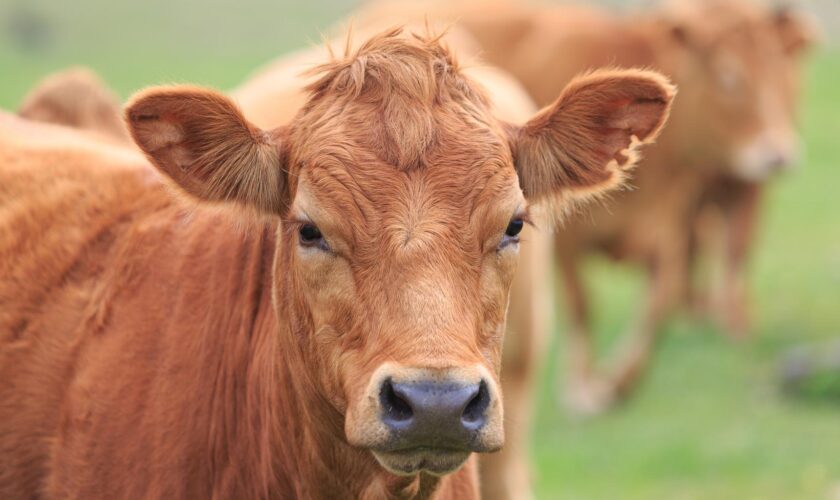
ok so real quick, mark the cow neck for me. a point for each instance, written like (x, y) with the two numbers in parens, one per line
(310, 445)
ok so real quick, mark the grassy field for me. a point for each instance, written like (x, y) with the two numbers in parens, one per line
(709, 421)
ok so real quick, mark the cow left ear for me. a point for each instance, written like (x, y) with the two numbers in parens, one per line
(199, 139)
(584, 143)
(797, 30)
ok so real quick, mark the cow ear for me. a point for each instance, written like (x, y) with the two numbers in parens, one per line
(797, 31)
(199, 139)
(584, 143)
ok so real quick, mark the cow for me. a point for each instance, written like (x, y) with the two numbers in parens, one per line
(733, 128)
(270, 98)
(315, 310)
(77, 97)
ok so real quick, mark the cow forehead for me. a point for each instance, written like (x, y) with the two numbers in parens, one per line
(396, 141)
(464, 166)
(737, 28)
(398, 96)
(451, 198)
(755, 53)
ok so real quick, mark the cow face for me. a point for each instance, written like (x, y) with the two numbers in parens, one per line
(400, 200)
(740, 65)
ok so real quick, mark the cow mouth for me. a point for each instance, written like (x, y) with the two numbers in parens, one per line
(435, 461)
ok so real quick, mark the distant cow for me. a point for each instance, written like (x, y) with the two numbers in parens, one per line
(77, 98)
(319, 313)
(733, 127)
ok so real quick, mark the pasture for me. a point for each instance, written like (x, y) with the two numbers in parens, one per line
(709, 421)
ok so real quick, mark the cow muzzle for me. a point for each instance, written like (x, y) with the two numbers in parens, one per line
(766, 156)
(427, 419)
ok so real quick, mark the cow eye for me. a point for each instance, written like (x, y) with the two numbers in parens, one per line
(515, 227)
(310, 236)
(512, 232)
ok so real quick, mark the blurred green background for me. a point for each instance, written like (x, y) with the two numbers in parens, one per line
(709, 421)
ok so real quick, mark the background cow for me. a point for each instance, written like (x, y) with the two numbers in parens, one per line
(78, 98)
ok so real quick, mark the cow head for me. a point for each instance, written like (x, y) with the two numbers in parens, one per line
(737, 65)
(400, 199)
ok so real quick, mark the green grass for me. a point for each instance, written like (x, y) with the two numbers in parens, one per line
(709, 421)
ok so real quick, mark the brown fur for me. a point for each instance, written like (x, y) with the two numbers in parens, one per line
(190, 135)
(162, 352)
(78, 98)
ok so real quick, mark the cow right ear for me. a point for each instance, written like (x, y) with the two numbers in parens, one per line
(584, 143)
(200, 140)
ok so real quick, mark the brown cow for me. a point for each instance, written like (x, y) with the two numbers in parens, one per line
(277, 93)
(77, 97)
(345, 343)
(270, 99)
(735, 64)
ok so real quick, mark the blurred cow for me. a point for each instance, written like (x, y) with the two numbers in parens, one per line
(78, 98)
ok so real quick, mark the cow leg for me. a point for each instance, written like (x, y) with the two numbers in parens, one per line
(702, 246)
(731, 298)
(585, 392)
(692, 294)
(666, 278)
(507, 474)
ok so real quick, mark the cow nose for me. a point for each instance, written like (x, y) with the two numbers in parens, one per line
(777, 161)
(434, 413)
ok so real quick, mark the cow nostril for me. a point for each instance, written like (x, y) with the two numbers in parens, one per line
(778, 162)
(394, 408)
(476, 410)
